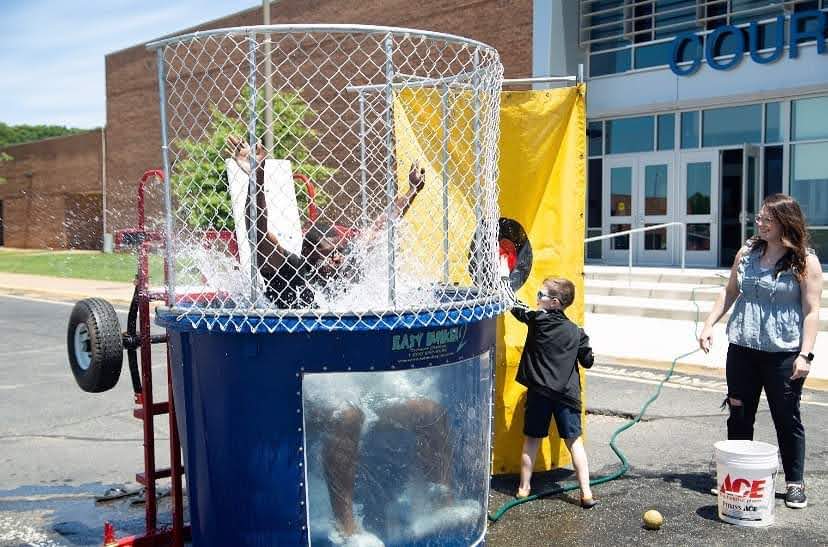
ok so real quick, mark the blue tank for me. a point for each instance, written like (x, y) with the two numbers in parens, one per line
(347, 433)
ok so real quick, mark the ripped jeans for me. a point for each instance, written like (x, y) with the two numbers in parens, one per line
(750, 370)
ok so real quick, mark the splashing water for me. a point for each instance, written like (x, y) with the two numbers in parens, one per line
(362, 283)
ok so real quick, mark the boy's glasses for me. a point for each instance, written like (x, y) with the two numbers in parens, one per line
(542, 295)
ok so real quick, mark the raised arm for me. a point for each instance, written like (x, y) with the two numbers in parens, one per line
(268, 250)
(402, 203)
(723, 302)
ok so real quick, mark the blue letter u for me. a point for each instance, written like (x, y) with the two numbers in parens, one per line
(779, 42)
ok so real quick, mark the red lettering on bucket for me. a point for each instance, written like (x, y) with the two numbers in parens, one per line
(743, 487)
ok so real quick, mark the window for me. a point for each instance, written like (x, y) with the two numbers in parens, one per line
(698, 188)
(595, 135)
(611, 62)
(666, 131)
(809, 180)
(809, 119)
(819, 241)
(594, 198)
(594, 193)
(621, 192)
(733, 125)
(773, 171)
(655, 190)
(773, 123)
(629, 135)
(689, 129)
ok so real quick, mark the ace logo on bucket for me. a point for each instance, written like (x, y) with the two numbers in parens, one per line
(746, 499)
(753, 489)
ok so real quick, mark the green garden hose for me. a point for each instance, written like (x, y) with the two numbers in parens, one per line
(625, 466)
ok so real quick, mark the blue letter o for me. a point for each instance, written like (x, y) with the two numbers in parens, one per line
(713, 40)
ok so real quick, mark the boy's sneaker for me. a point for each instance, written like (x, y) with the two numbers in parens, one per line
(795, 496)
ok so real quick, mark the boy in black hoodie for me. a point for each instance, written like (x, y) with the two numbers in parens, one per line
(549, 369)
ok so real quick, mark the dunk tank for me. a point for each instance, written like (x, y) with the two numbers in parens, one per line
(332, 284)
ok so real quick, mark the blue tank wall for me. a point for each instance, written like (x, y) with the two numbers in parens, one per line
(238, 399)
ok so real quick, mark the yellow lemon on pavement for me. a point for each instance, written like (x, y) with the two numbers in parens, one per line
(653, 520)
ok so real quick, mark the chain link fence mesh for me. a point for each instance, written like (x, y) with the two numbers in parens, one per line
(330, 177)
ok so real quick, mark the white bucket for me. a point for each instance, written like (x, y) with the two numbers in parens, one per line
(745, 477)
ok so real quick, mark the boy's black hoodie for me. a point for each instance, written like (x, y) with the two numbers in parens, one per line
(548, 363)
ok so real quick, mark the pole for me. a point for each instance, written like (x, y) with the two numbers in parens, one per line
(363, 168)
(165, 153)
(268, 84)
(445, 166)
(252, 233)
(390, 176)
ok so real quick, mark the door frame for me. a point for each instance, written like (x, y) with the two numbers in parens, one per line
(710, 257)
(636, 217)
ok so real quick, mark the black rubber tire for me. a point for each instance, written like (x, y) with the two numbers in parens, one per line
(98, 367)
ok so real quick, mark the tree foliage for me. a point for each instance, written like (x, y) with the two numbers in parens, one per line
(199, 178)
(4, 158)
(19, 134)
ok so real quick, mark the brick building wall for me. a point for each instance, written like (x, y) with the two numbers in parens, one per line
(133, 119)
(44, 180)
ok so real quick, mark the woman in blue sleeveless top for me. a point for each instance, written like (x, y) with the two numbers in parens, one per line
(775, 288)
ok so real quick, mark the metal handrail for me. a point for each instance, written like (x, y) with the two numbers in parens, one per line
(646, 229)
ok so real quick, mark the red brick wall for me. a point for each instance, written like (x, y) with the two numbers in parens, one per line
(133, 119)
(39, 178)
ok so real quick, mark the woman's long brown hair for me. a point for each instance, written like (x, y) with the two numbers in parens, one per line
(795, 237)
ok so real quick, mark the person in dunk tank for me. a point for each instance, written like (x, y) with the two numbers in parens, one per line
(341, 409)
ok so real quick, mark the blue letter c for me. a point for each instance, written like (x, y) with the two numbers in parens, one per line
(682, 40)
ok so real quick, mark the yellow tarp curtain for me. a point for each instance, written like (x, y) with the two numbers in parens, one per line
(542, 177)
(419, 130)
(542, 180)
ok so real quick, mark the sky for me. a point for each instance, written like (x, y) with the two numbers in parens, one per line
(52, 51)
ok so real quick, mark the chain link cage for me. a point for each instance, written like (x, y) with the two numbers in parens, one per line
(329, 176)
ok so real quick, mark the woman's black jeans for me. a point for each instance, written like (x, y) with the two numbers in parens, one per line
(750, 370)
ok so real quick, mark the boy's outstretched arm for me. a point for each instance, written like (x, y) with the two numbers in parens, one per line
(522, 313)
(585, 355)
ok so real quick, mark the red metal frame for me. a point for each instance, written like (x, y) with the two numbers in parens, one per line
(145, 409)
(175, 535)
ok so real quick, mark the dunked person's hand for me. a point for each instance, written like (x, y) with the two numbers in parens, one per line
(416, 176)
(239, 150)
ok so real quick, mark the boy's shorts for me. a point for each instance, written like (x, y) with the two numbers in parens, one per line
(539, 413)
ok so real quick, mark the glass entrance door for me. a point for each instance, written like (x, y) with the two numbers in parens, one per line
(751, 195)
(639, 194)
(655, 176)
(699, 205)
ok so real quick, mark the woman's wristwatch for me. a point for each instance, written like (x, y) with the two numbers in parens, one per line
(808, 357)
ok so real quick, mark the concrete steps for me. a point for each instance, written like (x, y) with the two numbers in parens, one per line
(653, 316)
(660, 293)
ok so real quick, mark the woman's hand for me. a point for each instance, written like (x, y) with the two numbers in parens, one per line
(706, 339)
(801, 368)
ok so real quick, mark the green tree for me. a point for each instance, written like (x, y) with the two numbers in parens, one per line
(18, 134)
(199, 178)
(4, 158)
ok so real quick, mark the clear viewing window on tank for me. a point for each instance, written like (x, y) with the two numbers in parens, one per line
(398, 457)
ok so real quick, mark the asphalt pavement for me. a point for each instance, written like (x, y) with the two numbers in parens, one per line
(60, 447)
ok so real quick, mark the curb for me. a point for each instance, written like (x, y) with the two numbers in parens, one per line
(60, 296)
(812, 384)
